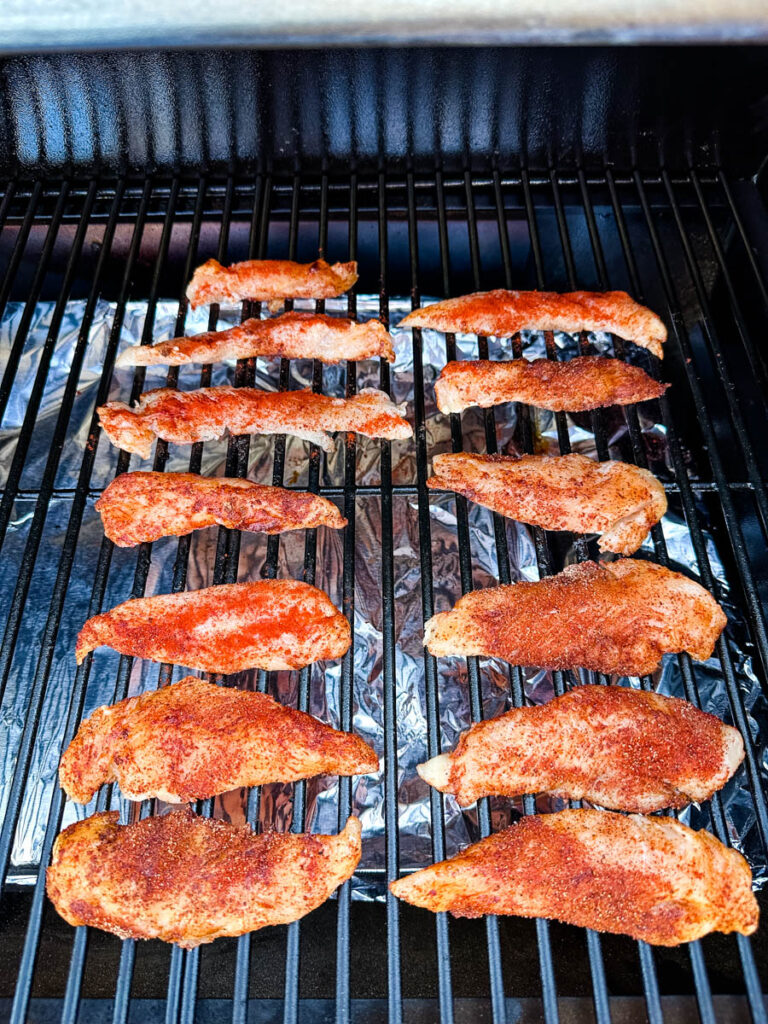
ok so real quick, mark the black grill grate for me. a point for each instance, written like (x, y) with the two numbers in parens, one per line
(683, 246)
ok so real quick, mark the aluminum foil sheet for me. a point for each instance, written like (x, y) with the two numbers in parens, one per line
(275, 808)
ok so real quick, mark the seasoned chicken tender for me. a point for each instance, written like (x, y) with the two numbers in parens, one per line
(192, 740)
(504, 313)
(560, 492)
(189, 880)
(138, 507)
(583, 383)
(269, 281)
(650, 878)
(269, 624)
(209, 413)
(292, 336)
(620, 618)
(621, 748)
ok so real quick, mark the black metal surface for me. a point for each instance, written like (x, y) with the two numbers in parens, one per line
(683, 244)
(243, 111)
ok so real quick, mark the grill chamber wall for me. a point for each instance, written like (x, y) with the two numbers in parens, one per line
(286, 110)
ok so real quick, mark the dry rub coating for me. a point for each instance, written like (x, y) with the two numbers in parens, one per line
(269, 624)
(620, 617)
(651, 878)
(269, 281)
(625, 749)
(583, 383)
(209, 413)
(504, 313)
(190, 880)
(193, 740)
(138, 507)
(292, 336)
(560, 492)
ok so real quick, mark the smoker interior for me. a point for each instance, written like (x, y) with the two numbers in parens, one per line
(691, 245)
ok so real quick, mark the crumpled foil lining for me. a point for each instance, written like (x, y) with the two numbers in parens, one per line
(275, 807)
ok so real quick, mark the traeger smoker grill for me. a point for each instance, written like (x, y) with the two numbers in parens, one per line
(441, 170)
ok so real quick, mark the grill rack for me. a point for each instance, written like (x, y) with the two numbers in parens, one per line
(386, 202)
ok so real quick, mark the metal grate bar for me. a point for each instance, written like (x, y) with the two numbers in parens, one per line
(598, 416)
(394, 968)
(310, 558)
(540, 539)
(755, 993)
(517, 351)
(257, 249)
(347, 684)
(755, 361)
(597, 966)
(432, 698)
(189, 986)
(489, 416)
(473, 668)
(238, 448)
(594, 948)
(123, 988)
(546, 963)
(542, 547)
(292, 946)
(563, 439)
(173, 991)
(9, 193)
(75, 978)
(190, 962)
(128, 951)
(701, 981)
